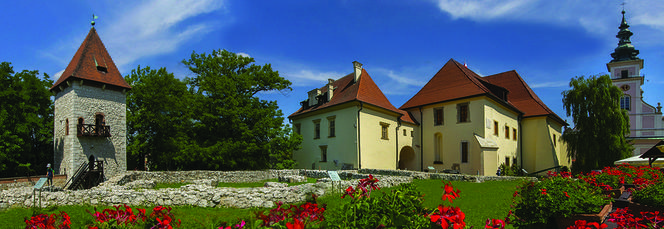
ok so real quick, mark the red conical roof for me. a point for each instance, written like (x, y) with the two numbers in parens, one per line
(92, 62)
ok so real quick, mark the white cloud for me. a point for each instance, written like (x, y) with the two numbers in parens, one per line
(155, 27)
(310, 77)
(400, 78)
(553, 84)
(597, 17)
(243, 54)
(57, 75)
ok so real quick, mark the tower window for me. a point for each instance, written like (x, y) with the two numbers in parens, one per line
(625, 102)
(624, 74)
(66, 126)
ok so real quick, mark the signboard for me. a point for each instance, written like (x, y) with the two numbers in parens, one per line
(40, 183)
(334, 175)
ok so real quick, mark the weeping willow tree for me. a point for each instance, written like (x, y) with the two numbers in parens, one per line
(600, 126)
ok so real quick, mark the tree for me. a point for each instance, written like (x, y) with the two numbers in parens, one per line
(26, 120)
(233, 128)
(600, 126)
(158, 118)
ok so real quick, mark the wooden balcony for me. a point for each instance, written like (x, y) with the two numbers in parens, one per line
(93, 130)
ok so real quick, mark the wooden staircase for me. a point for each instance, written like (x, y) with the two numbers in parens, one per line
(88, 175)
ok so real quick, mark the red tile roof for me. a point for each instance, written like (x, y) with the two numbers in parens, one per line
(453, 81)
(365, 90)
(522, 96)
(83, 66)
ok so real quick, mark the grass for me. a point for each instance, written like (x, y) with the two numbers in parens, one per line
(261, 183)
(479, 201)
(169, 185)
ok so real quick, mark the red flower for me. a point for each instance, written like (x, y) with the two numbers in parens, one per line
(450, 194)
(543, 191)
(581, 224)
(566, 194)
(296, 225)
(494, 224)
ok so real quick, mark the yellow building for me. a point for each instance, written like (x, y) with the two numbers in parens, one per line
(458, 121)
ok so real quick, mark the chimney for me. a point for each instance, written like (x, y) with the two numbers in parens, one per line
(330, 89)
(357, 66)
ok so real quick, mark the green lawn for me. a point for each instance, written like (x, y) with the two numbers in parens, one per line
(479, 201)
(261, 183)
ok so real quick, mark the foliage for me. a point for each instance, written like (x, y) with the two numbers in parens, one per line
(161, 217)
(213, 120)
(292, 217)
(26, 120)
(60, 221)
(652, 195)
(614, 177)
(234, 129)
(514, 170)
(600, 126)
(559, 195)
(158, 118)
(624, 219)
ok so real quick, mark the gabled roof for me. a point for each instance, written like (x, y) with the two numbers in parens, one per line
(346, 90)
(521, 96)
(84, 65)
(453, 81)
(654, 152)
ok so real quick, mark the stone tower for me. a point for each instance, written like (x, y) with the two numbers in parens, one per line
(646, 125)
(90, 111)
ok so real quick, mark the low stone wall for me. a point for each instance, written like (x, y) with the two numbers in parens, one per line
(135, 188)
(200, 194)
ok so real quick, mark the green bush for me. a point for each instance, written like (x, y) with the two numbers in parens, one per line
(652, 195)
(513, 170)
(539, 202)
(400, 208)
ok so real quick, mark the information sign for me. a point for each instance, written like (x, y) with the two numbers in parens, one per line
(334, 176)
(40, 183)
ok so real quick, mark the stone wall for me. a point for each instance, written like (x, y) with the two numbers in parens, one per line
(135, 188)
(84, 101)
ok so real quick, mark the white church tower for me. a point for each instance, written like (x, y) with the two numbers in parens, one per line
(646, 125)
(90, 114)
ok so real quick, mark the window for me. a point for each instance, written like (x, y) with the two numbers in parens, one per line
(317, 129)
(507, 161)
(514, 161)
(438, 116)
(464, 152)
(625, 102)
(404, 132)
(495, 128)
(438, 148)
(411, 133)
(66, 126)
(554, 140)
(507, 132)
(624, 74)
(384, 129)
(323, 153)
(332, 127)
(514, 134)
(462, 113)
(297, 128)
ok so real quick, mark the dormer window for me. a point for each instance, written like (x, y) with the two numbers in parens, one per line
(102, 69)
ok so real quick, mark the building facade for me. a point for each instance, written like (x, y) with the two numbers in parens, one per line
(646, 121)
(457, 121)
(90, 111)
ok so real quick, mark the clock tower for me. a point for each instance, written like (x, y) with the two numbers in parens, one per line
(646, 125)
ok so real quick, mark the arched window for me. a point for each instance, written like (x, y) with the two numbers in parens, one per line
(625, 102)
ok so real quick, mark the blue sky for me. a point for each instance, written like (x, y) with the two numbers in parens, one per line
(402, 44)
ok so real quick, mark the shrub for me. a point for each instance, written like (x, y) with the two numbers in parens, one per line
(560, 195)
(652, 195)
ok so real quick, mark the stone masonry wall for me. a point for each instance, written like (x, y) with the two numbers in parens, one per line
(85, 102)
(134, 188)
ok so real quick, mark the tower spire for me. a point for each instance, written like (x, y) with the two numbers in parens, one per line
(625, 49)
